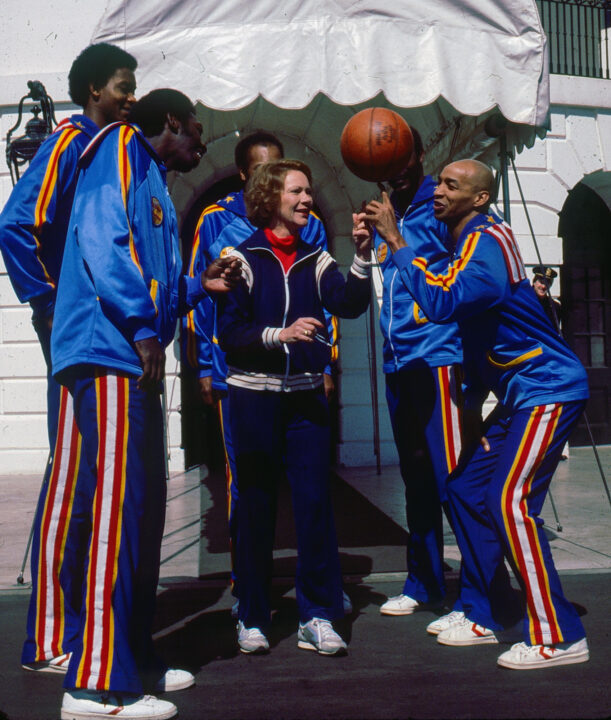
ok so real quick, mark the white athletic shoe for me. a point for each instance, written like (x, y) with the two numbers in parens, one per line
(57, 664)
(252, 640)
(444, 622)
(399, 605)
(532, 657)
(93, 704)
(175, 680)
(318, 634)
(466, 632)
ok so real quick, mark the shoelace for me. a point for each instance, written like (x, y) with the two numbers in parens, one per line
(252, 632)
(453, 617)
(324, 629)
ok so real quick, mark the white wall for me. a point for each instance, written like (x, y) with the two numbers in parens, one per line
(42, 46)
(39, 39)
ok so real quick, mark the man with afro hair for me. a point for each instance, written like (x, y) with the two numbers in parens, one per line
(33, 228)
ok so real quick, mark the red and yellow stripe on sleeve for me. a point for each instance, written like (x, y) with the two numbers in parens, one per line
(125, 175)
(49, 183)
(445, 280)
(191, 345)
(334, 339)
(190, 322)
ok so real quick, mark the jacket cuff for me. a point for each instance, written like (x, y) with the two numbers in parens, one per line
(361, 268)
(143, 333)
(43, 306)
(271, 338)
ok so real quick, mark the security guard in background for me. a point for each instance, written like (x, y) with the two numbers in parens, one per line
(542, 281)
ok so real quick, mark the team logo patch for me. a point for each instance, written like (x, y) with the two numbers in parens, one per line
(157, 212)
(227, 250)
(382, 252)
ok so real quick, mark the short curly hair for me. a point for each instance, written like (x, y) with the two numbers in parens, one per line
(260, 137)
(95, 66)
(262, 193)
(151, 111)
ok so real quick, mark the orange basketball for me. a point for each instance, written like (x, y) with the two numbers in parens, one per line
(376, 144)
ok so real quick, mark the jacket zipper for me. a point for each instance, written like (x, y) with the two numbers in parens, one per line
(286, 306)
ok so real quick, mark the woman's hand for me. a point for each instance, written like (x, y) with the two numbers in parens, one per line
(361, 236)
(302, 330)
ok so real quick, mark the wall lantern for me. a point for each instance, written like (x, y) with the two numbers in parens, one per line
(20, 150)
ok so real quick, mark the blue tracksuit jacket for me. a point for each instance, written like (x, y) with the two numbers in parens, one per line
(409, 338)
(509, 345)
(121, 276)
(221, 228)
(34, 221)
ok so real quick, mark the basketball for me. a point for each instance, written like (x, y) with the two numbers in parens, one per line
(376, 144)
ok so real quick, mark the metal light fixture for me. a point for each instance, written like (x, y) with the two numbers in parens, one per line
(20, 150)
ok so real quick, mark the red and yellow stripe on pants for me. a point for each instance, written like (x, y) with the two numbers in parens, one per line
(55, 520)
(521, 528)
(449, 382)
(112, 394)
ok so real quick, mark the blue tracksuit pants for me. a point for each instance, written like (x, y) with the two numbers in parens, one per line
(495, 501)
(119, 505)
(279, 435)
(424, 405)
(232, 480)
(53, 614)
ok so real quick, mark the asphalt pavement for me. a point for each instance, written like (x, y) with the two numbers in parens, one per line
(393, 668)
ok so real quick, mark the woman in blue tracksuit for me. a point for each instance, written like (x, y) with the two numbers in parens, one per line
(273, 330)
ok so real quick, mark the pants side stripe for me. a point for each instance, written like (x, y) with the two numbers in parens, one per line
(49, 631)
(228, 473)
(95, 663)
(115, 517)
(521, 527)
(450, 416)
(74, 456)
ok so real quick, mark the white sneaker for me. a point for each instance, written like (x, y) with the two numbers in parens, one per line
(532, 657)
(252, 640)
(92, 704)
(57, 664)
(466, 632)
(318, 634)
(175, 680)
(444, 622)
(347, 604)
(399, 605)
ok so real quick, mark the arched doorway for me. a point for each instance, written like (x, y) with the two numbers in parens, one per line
(585, 228)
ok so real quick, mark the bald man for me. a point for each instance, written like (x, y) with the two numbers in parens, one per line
(497, 491)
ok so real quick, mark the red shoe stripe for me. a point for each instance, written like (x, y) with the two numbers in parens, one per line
(543, 654)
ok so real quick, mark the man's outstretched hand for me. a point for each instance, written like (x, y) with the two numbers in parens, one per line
(381, 214)
(222, 275)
